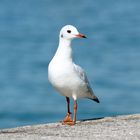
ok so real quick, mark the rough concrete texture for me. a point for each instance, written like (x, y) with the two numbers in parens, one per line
(109, 128)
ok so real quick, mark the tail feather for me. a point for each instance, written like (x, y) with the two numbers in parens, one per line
(96, 100)
(92, 96)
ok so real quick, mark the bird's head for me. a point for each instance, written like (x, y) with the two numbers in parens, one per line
(70, 32)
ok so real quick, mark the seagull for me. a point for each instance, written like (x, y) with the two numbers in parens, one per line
(65, 76)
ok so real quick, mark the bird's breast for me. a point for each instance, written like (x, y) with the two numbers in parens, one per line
(62, 74)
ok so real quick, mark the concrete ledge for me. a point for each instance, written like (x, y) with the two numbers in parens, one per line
(110, 128)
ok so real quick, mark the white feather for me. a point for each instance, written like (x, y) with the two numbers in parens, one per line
(68, 78)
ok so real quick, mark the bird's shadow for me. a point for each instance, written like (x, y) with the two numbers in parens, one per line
(91, 119)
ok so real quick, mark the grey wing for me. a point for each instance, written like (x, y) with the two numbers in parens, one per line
(81, 73)
(83, 77)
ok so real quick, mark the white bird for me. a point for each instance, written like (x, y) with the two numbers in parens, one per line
(67, 77)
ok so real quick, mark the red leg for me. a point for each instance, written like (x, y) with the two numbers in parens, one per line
(74, 119)
(75, 111)
(68, 104)
(68, 117)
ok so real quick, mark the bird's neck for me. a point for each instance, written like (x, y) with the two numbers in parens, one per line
(64, 42)
(64, 50)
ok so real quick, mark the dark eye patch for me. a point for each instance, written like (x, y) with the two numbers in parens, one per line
(68, 31)
(62, 36)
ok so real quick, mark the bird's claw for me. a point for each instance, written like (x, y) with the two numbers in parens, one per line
(68, 120)
(68, 123)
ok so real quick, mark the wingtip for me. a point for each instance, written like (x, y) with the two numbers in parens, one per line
(96, 100)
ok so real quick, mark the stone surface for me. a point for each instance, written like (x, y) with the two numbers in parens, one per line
(110, 128)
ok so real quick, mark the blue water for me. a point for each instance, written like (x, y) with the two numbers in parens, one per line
(111, 57)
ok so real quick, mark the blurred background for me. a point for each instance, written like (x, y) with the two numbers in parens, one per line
(110, 56)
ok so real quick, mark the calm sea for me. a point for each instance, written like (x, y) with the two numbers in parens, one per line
(110, 56)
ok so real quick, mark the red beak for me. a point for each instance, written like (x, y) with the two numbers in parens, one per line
(81, 36)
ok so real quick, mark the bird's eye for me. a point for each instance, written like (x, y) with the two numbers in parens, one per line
(68, 31)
